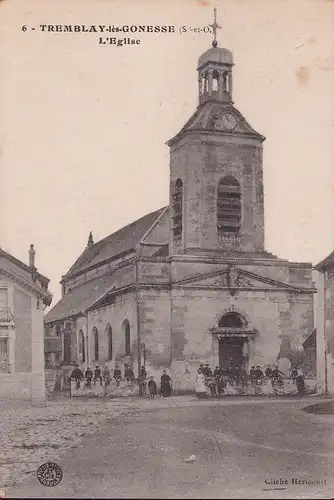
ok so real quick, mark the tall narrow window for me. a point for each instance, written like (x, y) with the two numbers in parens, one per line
(4, 362)
(127, 338)
(215, 81)
(201, 85)
(206, 82)
(226, 82)
(177, 208)
(229, 206)
(109, 340)
(82, 354)
(96, 343)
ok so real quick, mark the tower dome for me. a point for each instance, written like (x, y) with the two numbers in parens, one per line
(216, 55)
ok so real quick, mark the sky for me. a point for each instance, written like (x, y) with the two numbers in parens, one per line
(83, 125)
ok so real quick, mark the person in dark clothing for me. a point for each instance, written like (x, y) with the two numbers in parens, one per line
(106, 376)
(277, 378)
(97, 375)
(259, 375)
(152, 387)
(294, 375)
(165, 386)
(300, 382)
(129, 375)
(201, 368)
(268, 371)
(142, 381)
(207, 370)
(252, 375)
(117, 375)
(77, 375)
(89, 376)
(216, 372)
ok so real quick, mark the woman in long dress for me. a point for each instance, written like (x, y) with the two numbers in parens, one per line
(200, 389)
(165, 385)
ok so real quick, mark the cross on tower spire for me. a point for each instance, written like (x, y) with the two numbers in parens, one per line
(214, 27)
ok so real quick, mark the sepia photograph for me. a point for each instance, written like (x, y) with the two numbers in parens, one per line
(167, 250)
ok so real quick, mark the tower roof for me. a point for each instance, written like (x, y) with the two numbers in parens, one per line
(217, 55)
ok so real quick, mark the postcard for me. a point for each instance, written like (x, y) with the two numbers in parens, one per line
(167, 251)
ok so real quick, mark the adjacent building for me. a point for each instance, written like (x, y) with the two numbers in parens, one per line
(23, 297)
(192, 282)
(324, 320)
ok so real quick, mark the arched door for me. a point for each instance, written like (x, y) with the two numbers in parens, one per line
(232, 342)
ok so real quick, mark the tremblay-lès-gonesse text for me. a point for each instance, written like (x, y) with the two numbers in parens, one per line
(104, 28)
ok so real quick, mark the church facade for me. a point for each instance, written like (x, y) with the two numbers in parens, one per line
(192, 282)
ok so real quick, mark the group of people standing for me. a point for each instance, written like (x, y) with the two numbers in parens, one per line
(99, 375)
(214, 383)
(104, 376)
(165, 384)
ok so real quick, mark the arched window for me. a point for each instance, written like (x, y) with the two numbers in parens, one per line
(82, 354)
(127, 337)
(226, 82)
(201, 85)
(96, 343)
(229, 206)
(215, 81)
(232, 320)
(205, 83)
(177, 208)
(109, 340)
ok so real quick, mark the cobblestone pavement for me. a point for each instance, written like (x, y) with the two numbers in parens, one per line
(31, 435)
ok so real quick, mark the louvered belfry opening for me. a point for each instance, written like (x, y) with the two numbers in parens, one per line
(229, 206)
(177, 208)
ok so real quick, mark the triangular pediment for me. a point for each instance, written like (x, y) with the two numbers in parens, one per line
(236, 279)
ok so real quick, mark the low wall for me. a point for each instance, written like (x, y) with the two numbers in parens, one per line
(265, 389)
(112, 390)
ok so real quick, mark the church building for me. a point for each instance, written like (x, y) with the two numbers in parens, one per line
(192, 282)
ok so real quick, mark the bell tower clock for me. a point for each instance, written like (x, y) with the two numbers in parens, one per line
(216, 172)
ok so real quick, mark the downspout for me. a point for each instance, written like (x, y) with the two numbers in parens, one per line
(325, 334)
(138, 318)
(87, 346)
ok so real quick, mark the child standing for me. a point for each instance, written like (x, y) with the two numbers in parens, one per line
(152, 387)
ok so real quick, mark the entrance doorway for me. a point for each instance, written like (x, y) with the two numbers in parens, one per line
(231, 354)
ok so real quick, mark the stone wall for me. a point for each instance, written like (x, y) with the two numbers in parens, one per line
(111, 391)
(23, 328)
(124, 308)
(200, 162)
(15, 386)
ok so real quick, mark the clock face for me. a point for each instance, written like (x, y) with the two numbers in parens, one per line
(227, 122)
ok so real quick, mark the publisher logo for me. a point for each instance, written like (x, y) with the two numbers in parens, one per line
(2, 494)
(49, 474)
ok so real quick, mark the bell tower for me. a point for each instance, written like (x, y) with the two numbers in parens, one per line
(216, 176)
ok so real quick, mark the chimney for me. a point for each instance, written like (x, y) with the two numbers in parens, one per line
(32, 254)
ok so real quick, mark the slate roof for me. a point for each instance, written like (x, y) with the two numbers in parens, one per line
(205, 115)
(76, 302)
(44, 280)
(327, 263)
(123, 240)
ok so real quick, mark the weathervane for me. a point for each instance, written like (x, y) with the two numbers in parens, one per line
(214, 27)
